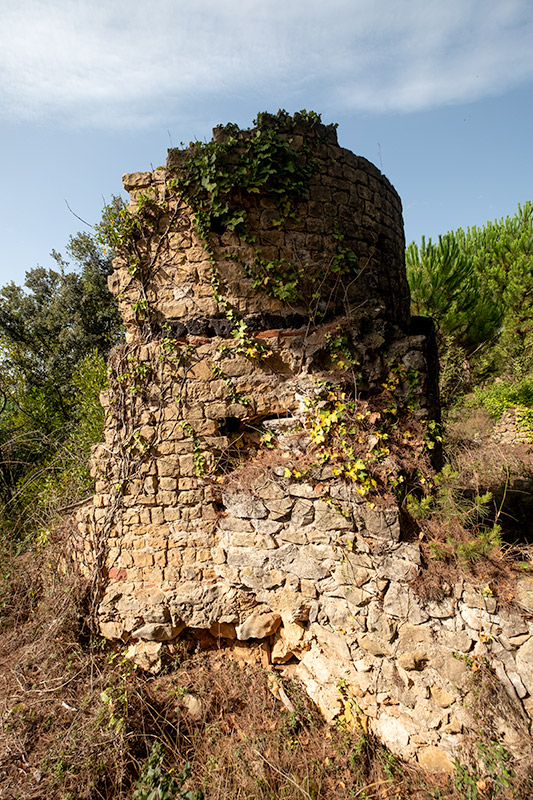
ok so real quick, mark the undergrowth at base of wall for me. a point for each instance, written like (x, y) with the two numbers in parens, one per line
(79, 721)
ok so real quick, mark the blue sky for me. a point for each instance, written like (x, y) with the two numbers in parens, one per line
(437, 95)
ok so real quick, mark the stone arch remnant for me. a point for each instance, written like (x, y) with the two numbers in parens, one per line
(271, 396)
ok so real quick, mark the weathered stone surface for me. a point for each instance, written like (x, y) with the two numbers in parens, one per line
(282, 550)
(453, 670)
(288, 642)
(373, 645)
(411, 661)
(524, 664)
(291, 605)
(157, 632)
(111, 630)
(193, 706)
(392, 732)
(456, 641)
(477, 618)
(328, 518)
(442, 697)
(524, 593)
(381, 524)
(413, 636)
(303, 512)
(242, 505)
(260, 624)
(279, 509)
(295, 560)
(396, 601)
(147, 655)
(434, 759)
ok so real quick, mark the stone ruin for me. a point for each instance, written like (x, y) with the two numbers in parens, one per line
(258, 418)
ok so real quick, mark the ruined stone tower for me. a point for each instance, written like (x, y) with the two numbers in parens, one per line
(272, 396)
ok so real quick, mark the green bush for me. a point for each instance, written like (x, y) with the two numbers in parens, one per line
(502, 395)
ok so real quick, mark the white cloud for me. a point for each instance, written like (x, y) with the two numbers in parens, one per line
(109, 62)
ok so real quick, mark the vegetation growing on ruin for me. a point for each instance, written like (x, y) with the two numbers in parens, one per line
(77, 720)
(273, 159)
(217, 177)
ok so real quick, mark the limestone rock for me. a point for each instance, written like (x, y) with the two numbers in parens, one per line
(288, 642)
(433, 759)
(393, 733)
(223, 630)
(441, 697)
(279, 509)
(524, 664)
(147, 655)
(453, 670)
(292, 606)
(244, 506)
(111, 630)
(136, 180)
(303, 512)
(524, 593)
(260, 624)
(396, 601)
(193, 706)
(381, 524)
(414, 637)
(156, 632)
(328, 518)
(413, 661)
(373, 645)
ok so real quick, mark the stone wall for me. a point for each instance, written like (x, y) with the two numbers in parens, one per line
(346, 194)
(245, 486)
(513, 427)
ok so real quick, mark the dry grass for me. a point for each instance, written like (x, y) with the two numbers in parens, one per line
(486, 465)
(78, 721)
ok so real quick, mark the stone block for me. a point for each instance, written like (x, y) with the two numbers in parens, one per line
(251, 577)
(291, 535)
(373, 645)
(245, 557)
(288, 642)
(168, 484)
(523, 590)
(393, 733)
(187, 465)
(396, 601)
(524, 664)
(111, 630)
(279, 509)
(260, 624)
(303, 512)
(328, 518)
(147, 655)
(143, 559)
(244, 506)
(433, 759)
(157, 632)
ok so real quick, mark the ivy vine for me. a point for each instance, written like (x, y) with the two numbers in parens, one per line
(216, 176)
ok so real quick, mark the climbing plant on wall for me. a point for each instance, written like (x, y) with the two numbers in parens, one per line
(216, 177)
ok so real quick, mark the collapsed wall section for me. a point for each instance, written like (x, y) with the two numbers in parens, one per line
(271, 396)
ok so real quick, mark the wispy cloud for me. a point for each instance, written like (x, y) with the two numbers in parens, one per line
(109, 62)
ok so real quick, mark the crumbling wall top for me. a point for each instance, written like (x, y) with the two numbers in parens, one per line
(277, 223)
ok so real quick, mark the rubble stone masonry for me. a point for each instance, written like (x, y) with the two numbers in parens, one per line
(217, 510)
